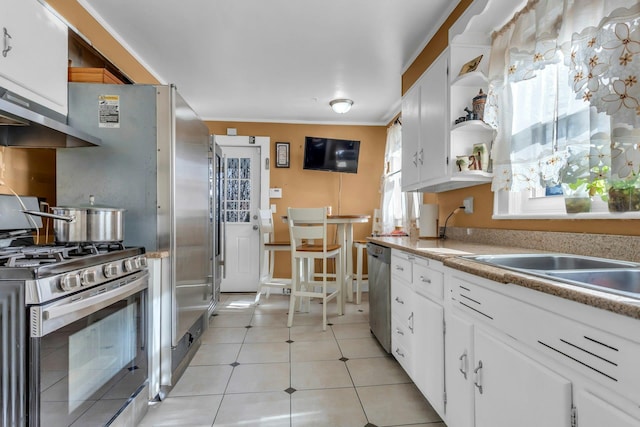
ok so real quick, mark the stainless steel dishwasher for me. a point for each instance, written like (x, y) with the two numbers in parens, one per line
(379, 267)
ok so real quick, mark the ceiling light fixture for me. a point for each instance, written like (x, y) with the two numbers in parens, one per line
(341, 106)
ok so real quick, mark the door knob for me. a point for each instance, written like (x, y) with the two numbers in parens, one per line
(255, 217)
(255, 227)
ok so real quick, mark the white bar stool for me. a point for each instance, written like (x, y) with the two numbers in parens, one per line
(308, 230)
(361, 251)
(268, 248)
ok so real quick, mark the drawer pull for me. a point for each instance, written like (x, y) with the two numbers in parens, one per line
(399, 301)
(7, 42)
(399, 268)
(399, 332)
(478, 380)
(410, 319)
(463, 364)
(399, 353)
(425, 279)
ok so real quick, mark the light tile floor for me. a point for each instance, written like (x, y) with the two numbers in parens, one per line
(251, 370)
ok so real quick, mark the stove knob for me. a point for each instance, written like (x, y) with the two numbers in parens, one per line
(110, 270)
(143, 261)
(129, 265)
(69, 281)
(89, 277)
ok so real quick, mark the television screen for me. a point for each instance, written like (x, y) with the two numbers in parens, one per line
(334, 155)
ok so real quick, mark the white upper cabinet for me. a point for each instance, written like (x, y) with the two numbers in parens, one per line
(33, 62)
(442, 151)
(424, 129)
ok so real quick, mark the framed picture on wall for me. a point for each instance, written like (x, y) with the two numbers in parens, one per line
(282, 154)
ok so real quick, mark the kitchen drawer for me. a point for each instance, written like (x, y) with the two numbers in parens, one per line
(401, 333)
(401, 297)
(401, 344)
(401, 266)
(426, 280)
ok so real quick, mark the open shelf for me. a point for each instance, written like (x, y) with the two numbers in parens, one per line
(471, 125)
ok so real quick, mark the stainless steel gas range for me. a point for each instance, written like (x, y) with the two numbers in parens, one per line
(73, 334)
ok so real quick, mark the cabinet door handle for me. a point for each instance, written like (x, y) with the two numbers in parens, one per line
(415, 159)
(478, 379)
(399, 332)
(425, 279)
(421, 155)
(399, 268)
(410, 319)
(463, 364)
(399, 353)
(399, 301)
(7, 42)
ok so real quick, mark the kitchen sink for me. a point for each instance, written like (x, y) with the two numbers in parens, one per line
(618, 281)
(607, 275)
(551, 262)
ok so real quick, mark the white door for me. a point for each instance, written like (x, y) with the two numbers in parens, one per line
(245, 190)
(428, 350)
(459, 372)
(515, 390)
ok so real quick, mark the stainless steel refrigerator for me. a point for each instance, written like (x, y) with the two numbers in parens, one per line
(154, 161)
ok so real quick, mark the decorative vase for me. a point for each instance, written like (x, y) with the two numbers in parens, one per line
(478, 105)
(482, 155)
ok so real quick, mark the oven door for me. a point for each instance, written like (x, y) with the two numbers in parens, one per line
(88, 354)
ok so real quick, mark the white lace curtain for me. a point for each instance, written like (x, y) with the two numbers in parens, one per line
(564, 94)
(396, 208)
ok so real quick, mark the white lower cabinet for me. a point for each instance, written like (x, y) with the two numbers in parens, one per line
(491, 384)
(428, 350)
(402, 325)
(459, 371)
(511, 389)
(517, 357)
(417, 323)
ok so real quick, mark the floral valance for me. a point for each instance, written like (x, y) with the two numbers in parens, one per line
(564, 94)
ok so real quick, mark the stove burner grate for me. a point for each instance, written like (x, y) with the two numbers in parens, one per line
(34, 256)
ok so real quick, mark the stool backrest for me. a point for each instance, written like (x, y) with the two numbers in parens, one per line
(307, 224)
(265, 222)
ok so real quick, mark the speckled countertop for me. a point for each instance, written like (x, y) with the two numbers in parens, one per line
(449, 251)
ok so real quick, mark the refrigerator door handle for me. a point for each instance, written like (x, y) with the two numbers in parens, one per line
(224, 217)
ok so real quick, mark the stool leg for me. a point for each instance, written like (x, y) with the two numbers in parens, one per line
(272, 260)
(295, 283)
(359, 276)
(340, 285)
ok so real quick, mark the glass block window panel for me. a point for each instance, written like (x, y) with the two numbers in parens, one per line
(232, 168)
(245, 168)
(238, 190)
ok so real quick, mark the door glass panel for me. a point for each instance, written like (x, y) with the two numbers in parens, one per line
(238, 189)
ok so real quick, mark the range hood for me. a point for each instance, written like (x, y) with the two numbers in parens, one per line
(27, 127)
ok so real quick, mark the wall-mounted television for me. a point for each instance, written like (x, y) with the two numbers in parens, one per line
(333, 155)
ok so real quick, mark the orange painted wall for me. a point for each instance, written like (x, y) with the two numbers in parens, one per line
(346, 193)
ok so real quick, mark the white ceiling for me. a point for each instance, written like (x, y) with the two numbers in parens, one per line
(278, 60)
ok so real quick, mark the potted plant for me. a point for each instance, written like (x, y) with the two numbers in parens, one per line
(582, 185)
(624, 195)
(576, 196)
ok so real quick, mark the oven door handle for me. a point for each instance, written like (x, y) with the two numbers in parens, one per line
(58, 316)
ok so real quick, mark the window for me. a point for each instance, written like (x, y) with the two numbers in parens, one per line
(565, 99)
